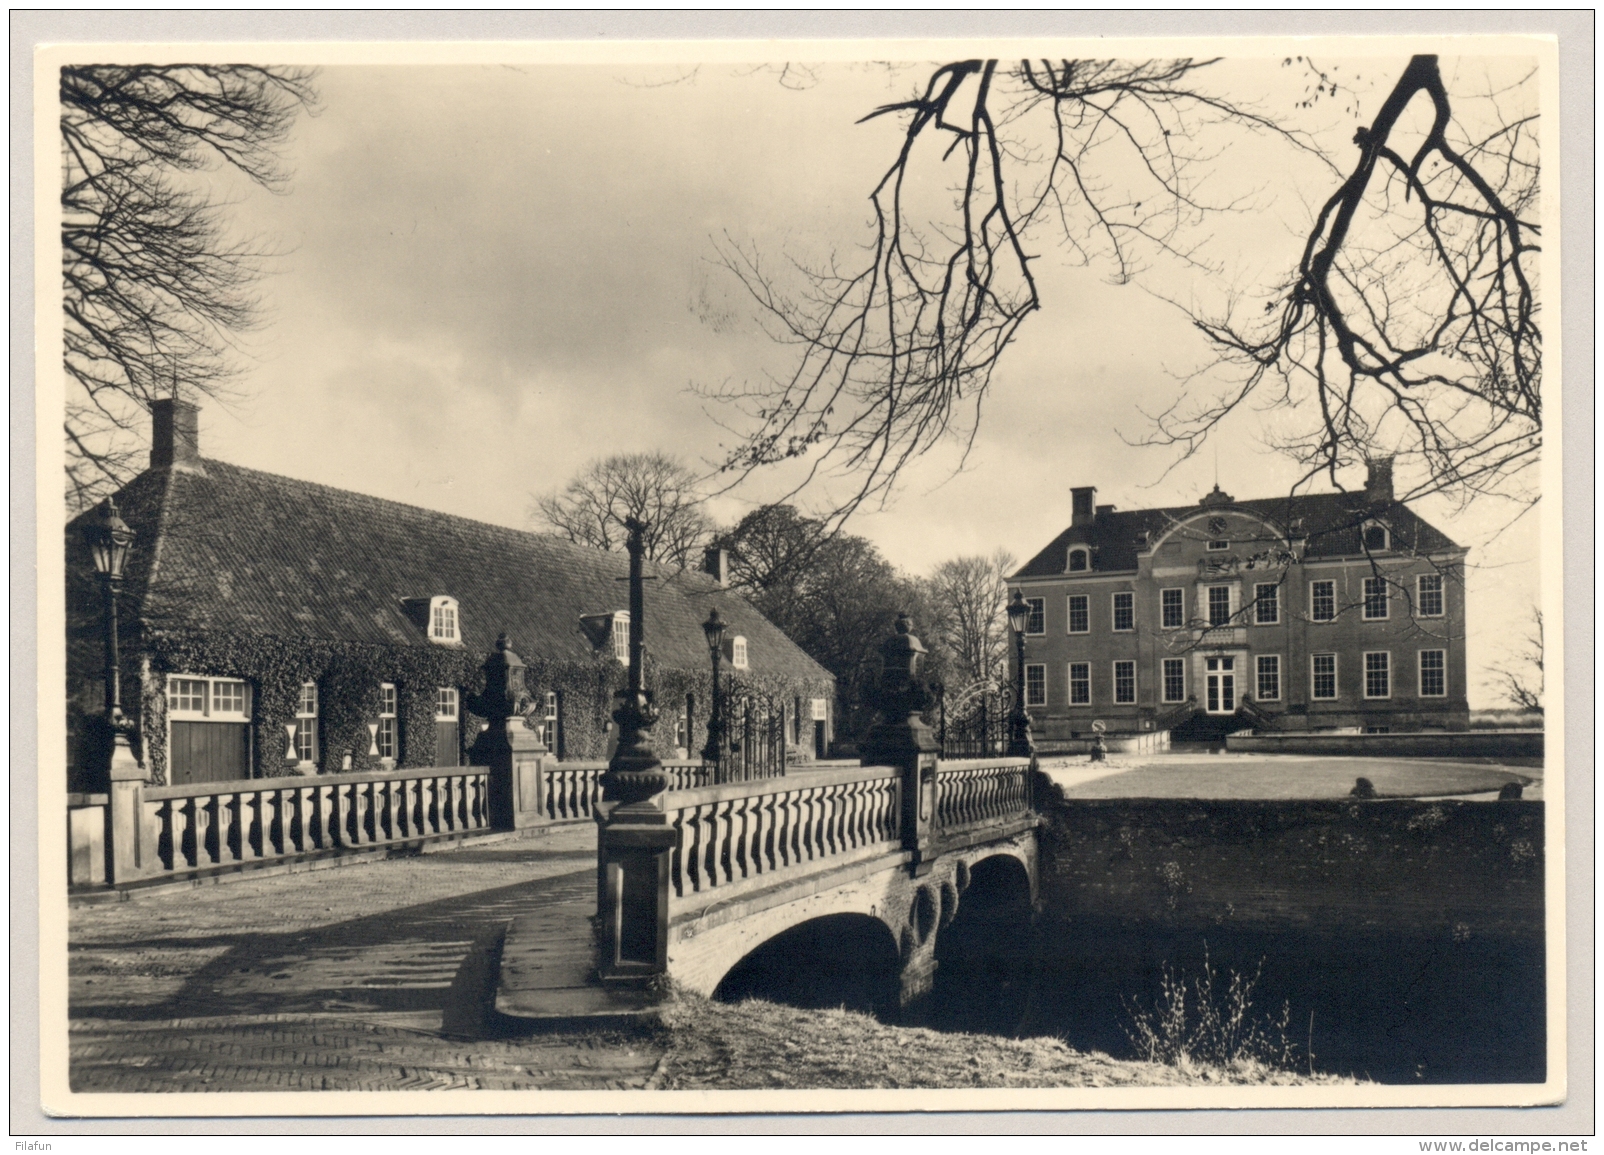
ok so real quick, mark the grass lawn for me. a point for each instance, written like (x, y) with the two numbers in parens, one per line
(1274, 776)
(760, 1044)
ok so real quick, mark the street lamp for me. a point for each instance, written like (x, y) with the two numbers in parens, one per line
(714, 629)
(1020, 744)
(109, 541)
(634, 773)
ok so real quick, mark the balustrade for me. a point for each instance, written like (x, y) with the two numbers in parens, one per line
(208, 824)
(984, 790)
(727, 834)
(570, 790)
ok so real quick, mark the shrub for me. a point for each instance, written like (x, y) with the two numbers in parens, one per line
(1197, 1023)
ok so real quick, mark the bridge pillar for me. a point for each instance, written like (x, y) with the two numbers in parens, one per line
(633, 833)
(901, 739)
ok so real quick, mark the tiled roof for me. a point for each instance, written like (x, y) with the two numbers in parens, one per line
(241, 551)
(1331, 525)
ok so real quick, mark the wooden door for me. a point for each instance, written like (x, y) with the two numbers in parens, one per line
(209, 752)
(447, 747)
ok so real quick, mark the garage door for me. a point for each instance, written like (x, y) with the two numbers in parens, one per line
(208, 728)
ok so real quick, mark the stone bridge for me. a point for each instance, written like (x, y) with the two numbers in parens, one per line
(830, 861)
(846, 878)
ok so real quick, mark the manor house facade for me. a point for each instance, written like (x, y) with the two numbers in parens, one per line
(1333, 611)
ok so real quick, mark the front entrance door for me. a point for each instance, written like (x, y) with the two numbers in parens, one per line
(1221, 685)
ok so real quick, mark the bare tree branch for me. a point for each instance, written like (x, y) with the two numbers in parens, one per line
(1410, 326)
(154, 286)
(896, 350)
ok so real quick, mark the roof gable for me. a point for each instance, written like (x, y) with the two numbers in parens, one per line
(1329, 523)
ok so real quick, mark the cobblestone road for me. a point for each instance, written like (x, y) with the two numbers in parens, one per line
(365, 977)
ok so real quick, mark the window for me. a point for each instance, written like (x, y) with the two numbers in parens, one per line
(445, 704)
(1125, 682)
(384, 744)
(1375, 538)
(682, 726)
(1080, 614)
(1173, 603)
(186, 696)
(1375, 599)
(1428, 595)
(621, 636)
(1035, 685)
(1323, 684)
(1267, 604)
(1378, 675)
(1125, 611)
(1080, 683)
(1079, 560)
(443, 620)
(1269, 680)
(1219, 606)
(306, 723)
(738, 652)
(208, 699)
(548, 729)
(1036, 622)
(1433, 673)
(1323, 601)
(1219, 543)
(1174, 680)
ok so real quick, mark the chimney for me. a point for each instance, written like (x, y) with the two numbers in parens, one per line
(1104, 510)
(1378, 481)
(1082, 510)
(717, 562)
(175, 432)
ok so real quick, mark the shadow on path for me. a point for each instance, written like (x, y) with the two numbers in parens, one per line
(432, 956)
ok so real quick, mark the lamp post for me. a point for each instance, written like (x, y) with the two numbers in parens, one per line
(1020, 744)
(634, 773)
(109, 543)
(712, 752)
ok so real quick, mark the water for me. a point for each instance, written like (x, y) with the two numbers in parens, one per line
(1384, 1006)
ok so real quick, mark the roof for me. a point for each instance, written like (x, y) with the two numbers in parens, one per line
(1332, 523)
(223, 548)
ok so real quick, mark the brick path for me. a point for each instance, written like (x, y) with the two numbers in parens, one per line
(365, 977)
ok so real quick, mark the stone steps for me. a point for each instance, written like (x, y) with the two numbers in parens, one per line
(547, 977)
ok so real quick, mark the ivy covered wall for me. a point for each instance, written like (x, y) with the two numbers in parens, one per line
(348, 676)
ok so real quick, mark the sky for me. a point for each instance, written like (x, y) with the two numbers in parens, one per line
(491, 275)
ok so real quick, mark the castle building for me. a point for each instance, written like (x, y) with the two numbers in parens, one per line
(1332, 611)
(272, 626)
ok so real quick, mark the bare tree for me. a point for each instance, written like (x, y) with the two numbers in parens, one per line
(968, 597)
(1410, 325)
(1414, 335)
(653, 487)
(154, 284)
(1520, 678)
(896, 352)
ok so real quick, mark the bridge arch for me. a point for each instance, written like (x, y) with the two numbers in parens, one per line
(985, 953)
(835, 960)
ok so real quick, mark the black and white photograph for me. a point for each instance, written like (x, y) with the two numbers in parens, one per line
(914, 576)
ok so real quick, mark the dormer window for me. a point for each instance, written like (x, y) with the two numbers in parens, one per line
(621, 636)
(443, 621)
(1079, 560)
(1376, 538)
(738, 652)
